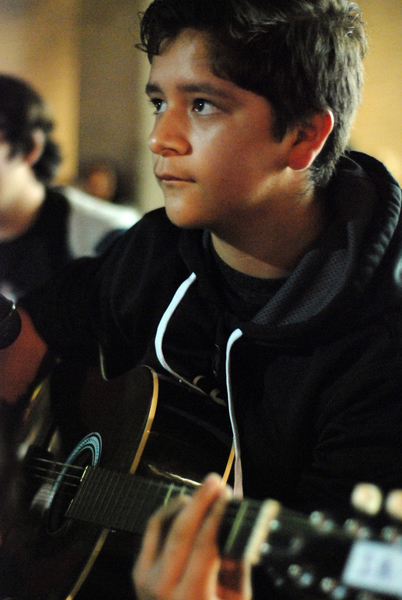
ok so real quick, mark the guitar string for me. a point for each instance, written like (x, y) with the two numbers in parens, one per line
(231, 512)
(51, 474)
(54, 474)
(55, 462)
(57, 467)
(46, 496)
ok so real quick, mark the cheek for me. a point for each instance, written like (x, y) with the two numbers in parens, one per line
(222, 163)
(237, 174)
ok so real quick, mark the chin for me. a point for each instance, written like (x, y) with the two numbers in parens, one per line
(184, 218)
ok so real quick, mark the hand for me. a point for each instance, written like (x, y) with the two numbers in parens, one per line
(179, 559)
(20, 362)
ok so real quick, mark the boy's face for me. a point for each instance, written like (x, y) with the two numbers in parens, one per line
(214, 154)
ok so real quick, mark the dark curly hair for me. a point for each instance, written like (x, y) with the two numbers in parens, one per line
(303, 56)
(23, 111)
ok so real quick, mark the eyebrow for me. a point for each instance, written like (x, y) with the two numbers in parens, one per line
(192, 88)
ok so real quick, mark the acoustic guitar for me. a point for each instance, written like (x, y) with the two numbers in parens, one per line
(153, 439)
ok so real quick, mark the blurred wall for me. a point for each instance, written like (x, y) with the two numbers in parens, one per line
(114, 112)
(81, 56)
(378, 128)
(39, 42)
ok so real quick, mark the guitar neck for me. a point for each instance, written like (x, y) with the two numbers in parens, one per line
(261, 532)
(124, 502)
(119, 501)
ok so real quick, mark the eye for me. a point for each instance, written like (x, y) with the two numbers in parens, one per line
(158, 104)
(204, 107)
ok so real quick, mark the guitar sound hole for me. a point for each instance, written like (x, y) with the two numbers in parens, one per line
(87, 453)
(63, 493)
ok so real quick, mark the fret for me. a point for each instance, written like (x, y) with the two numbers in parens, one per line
(245, 527)
(124, 502)
(119, 500)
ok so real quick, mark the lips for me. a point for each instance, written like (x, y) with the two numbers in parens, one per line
(170, 177)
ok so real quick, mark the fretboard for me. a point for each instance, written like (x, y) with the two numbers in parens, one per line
(125, 502)
(119, 501)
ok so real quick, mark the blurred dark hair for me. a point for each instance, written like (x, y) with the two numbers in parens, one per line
(303, 56)
(22, 111)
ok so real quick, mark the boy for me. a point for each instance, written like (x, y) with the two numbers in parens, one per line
(42, 227)
(272, 276)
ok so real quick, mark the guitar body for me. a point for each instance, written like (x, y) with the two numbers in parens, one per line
(140, 423)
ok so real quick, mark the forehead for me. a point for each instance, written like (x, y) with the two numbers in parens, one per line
(183, 66)
(185, 56)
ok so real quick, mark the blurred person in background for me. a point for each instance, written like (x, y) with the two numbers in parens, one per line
(100, 179)
(42, 227)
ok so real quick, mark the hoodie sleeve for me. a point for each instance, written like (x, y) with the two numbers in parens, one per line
(112, 301)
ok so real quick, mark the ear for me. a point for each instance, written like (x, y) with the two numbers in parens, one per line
(38, 141)
(310, 139)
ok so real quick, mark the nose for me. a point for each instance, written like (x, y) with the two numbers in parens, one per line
(169, 135)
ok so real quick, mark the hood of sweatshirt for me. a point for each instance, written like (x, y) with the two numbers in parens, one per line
(351, 274)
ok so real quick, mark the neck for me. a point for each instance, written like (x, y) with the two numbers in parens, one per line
(272, 248)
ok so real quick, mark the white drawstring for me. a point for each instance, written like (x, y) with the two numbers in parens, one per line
(177, 298)
(179, 295)
(238, 474)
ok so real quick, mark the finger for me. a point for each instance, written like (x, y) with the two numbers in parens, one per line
(154, 537)
(157, 569)
(224, 578)
(204, 562)
(184, 535)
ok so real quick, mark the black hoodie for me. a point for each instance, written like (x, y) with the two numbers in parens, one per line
(313, 381)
